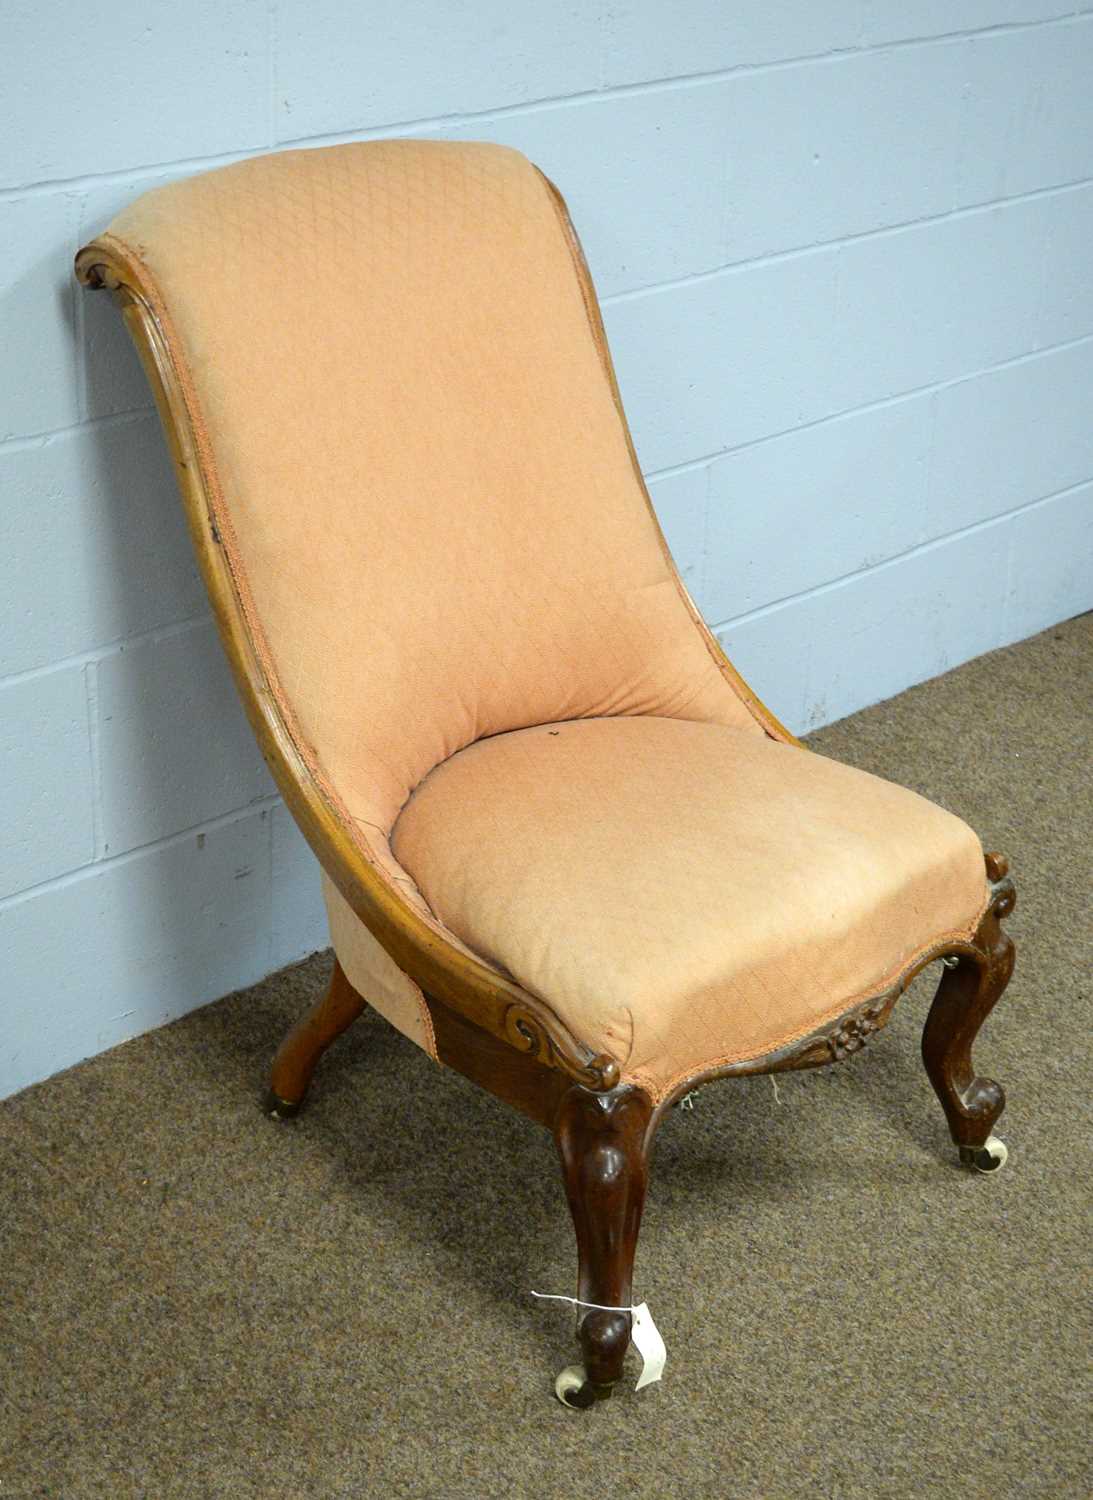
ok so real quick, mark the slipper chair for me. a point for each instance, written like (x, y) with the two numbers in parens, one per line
(565, 849)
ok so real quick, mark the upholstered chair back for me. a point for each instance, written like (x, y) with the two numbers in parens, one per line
(418, 467)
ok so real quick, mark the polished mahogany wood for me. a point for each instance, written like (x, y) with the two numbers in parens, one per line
(518, 1078)
(603, 1141)
(965, 998)
(299, 1053)
(604, 1137)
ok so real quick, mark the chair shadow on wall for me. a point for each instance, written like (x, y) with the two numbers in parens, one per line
(183, 794)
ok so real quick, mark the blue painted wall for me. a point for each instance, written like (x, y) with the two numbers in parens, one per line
(844, 254)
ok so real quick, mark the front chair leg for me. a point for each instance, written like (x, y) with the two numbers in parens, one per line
(603, 1139)
(299, 1053)
(965, 997)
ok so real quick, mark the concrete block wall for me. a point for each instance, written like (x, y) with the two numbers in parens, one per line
(844, 255)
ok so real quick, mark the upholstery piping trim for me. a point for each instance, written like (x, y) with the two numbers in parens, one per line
(659, 1091)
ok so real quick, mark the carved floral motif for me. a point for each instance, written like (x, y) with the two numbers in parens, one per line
(852, 1032)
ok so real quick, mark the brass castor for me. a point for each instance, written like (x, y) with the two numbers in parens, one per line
(990, 1157)
(281, 1109)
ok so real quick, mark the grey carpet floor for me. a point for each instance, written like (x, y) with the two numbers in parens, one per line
(199, 1302)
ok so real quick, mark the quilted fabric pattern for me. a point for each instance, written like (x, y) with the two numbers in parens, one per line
(469, 617)
(427, 477)
(685, 893)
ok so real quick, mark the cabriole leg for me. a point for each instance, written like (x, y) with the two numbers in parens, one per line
(299, 1053)
(965, 997)
(603, 1141)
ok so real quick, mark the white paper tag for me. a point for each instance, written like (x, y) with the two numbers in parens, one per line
(649, 1344)
(644, 1334)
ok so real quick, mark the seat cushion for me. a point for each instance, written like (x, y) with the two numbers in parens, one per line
(685, 894)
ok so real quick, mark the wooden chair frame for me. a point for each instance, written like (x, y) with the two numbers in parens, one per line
(486, 1026)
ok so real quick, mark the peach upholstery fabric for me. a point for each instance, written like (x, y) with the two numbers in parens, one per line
(374, 974)
(685, 893)
(427, 479)
(417, 466)
(423, 487)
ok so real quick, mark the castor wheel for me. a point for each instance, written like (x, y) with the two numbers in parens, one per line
(280, 1109)
(573, 1388)
(990, 1157)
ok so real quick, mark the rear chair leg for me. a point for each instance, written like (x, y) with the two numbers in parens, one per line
(299, 1053)
(966, 995)
(602, 1139)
